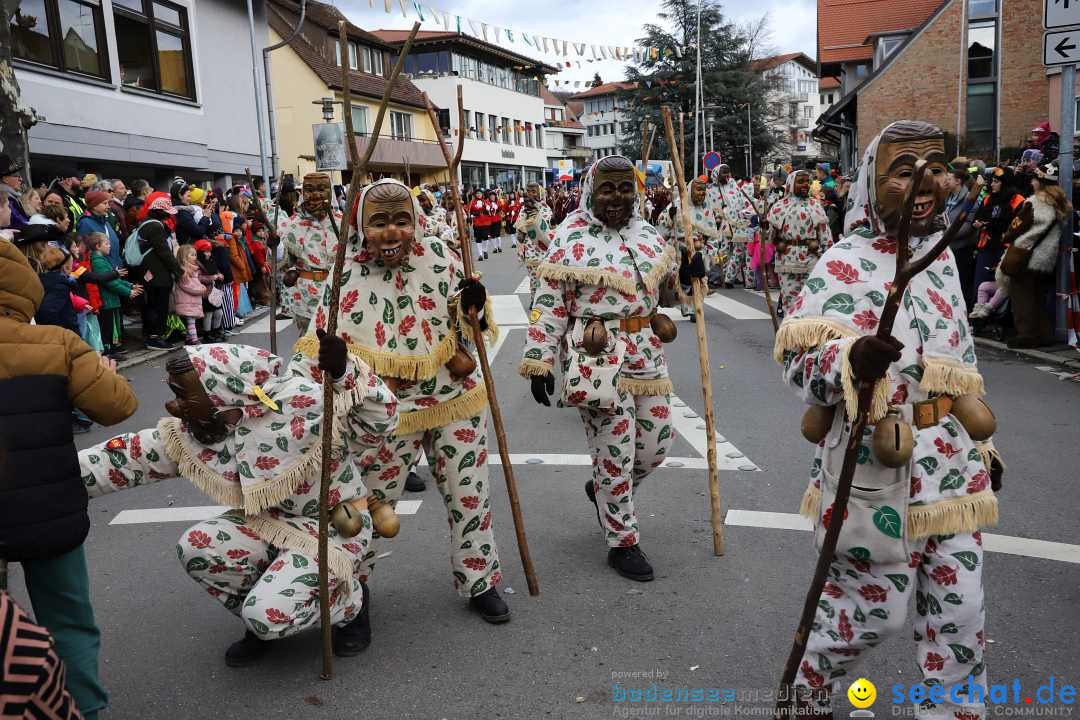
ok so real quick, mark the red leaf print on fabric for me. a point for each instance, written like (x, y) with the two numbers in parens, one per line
(979, 483)
(198, 539)
(611, 468)
(621, 427)
(348, 300)
(277, 617)
(136, 447)
(940, 303)
(586, 372)
(117, 478)
(244, 530)
(828, 358)
(621, 488)
(265, 462)
(578, 250)
(407, 324)
(427, 401)
(465, 435)
(978, 537)
(900, 396)
(660, 411)
(646, 250)
(615, 524)
(219, 354)
(557, 256)
(933, 661)
(486, 522)
(296, 427)
(302, 401)
(844, 628)
(874, 593)
(537, 335)
(954, 338)
(380, 333)
(833, 590)
(333, 497)
(884, 245)
(944, 575)
(237, 553)
(842, 271)
(390, 473)
(866, 320)
(427, 330)
(471, 501)
(597, 295)
(481, 458)
(475, 563)
(916, 485)
(199, 364)
(813, 678)
(576, 397)
(915, 561)
(945, 448)
(558, 311)
(827, 516)
(425, 303)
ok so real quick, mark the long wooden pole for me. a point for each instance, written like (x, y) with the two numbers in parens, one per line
(648, 133)
(260, 214)
(273, 269)
(763, 232)
(715, 510)
(478, 340)
(359, 168)
(905, 271)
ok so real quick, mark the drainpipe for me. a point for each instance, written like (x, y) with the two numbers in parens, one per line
(258, 101)
(269, 91)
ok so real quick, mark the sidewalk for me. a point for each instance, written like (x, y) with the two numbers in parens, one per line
(137, 353)
(1060, 355)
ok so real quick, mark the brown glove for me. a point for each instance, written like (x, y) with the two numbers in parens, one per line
(333, 354)
(290, 277)
(871, 356)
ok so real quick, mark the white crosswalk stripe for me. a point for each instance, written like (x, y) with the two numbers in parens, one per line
(523, 286)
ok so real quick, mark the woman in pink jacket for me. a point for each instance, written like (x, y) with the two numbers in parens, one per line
(189, 292)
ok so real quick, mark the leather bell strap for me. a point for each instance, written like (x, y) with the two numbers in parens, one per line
(927, 413)
(316, 275)
(628, 324)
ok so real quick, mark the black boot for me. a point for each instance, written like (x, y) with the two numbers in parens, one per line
(415, 483)
(247, 651)
(353, 637)
(630, 562)
(491, 606)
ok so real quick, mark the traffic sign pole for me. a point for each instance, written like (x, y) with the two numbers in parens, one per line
(1065, 179)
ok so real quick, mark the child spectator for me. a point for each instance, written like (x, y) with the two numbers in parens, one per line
(212, 303)
(113, 290)
(188, 293)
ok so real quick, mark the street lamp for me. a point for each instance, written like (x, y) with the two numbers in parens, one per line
(749, 142)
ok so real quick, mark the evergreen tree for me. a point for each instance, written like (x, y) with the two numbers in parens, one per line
(727, 83)
(596, 81)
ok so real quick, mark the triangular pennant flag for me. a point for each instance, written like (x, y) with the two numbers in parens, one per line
(593, 51)
(387, 3)
(536, 41)
(419, 11)
(678, 51)
(545, 45)
(483, 26)
(525, 38)
(510, 35)
(472, 26)
(580, 49)
(603, 53)
(496, 33)
(404, 9)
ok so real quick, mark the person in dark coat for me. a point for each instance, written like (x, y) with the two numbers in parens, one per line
(10, 177)
(158, 270)
(992, 220)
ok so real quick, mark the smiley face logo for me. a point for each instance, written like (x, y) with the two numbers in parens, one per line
(862, 693)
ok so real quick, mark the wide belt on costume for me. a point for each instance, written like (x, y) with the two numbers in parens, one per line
(316, 275)
(595, 335)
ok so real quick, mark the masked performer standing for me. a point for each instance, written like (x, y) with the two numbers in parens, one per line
(310, 239)
(915, 514)
(799, 229)
(402, 311)
(533, 231)
(734, 212)
(596, 307)
(246, 430)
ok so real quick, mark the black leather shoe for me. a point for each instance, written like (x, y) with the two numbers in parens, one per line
(630, 562)
(247, 651)
(353, 637)
(491, 606)
(415, 483)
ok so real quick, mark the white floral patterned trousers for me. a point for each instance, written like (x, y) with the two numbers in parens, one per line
(864, 602)
(738, 267)
(791, 285)
(626, 445)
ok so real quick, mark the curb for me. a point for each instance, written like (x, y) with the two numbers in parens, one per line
(1070, 363)
(148, 355)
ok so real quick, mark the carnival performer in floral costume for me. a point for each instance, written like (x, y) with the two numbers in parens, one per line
(596, 310)
(734, 212)
(533, 232)
(707, 238)
(914, 518)
(245, 429)
(310, 240)
(403, 306)
(434, 218)
(799, 229)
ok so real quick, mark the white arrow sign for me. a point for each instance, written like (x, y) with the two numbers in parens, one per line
(1061, 47)
(1060, 13)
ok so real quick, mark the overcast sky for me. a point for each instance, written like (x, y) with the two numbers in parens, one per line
(792, 24)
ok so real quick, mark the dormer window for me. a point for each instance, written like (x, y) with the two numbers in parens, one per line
(361, 57)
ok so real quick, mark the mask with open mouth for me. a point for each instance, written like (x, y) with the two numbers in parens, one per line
(801, 184)
(388, 217)
(317, 195)
(902, 145)
(206, 423)
(697, 192)
(615, 194)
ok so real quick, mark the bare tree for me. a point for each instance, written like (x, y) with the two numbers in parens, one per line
(15, 118)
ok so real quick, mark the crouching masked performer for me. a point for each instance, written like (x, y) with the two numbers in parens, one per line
(596, 309)
(245, 429)
(923, 488)
(533, 232)
(311, 243)
(799, 230)
(403, 307)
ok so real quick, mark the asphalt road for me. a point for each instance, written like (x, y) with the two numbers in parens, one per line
(706, 621)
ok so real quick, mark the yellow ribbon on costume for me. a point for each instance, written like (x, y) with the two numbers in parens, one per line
(265, 399)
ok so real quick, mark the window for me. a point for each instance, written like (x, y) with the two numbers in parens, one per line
(480, 125)
(493, 128)
(68, 35)
(528, 135)
(154, 45)
(980, 118)
(981, 42)
(359, 119)
(517, 132)
(506, 130)
(377, 61)
(400, 125)
(982, 9)
(861, 71)
(539, 136)
(353, 64)
(808, 112)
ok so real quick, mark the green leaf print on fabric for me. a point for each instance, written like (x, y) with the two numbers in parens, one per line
(962, 653)
(309, 579)
(467, 461)
(471, 526)
(968, 559)
(898, 580)
(841, 303)
(197, 564)
(815, 285)
(887, 520)
(938, 282)
(952, 480)
(388, 312)
(867, 265)
(876, 297)
(929, 464)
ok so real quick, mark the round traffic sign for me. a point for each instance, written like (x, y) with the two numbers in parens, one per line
(711, 160)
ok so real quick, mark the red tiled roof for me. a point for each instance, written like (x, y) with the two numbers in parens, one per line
(392, 36)
(550, 99)
(605, 89)
(768, 63)
(327, 16)
(828, 83)
(282, 19)
(844, 25)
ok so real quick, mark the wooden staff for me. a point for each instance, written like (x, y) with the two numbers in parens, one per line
(682, 141)
(715, 510)
(905, 271)
(761, 257)
(273, 270)
(648, 133)
(260, 215)
(359, 168)
(478, 340)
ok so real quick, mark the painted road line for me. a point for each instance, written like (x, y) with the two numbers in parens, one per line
(1005, 544)
(691, 427)
(508, 310)
(584, 460)
(734, 308)
(504, 332)
(260, 326)
(205, 512)
(523, 288)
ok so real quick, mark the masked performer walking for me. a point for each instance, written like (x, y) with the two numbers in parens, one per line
(310, 239)
(922, 488)
(403, 309)
(734, 212)
(245, 429)
(596, 308)
(533, 232)
(799, 230)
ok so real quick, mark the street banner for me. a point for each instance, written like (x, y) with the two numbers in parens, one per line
(330, 150)
(564, 170)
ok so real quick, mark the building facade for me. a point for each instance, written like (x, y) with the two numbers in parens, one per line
(564, 138)
(793, 104)
(139, 88)
(606, 125)
(503, 107)
(309, 69)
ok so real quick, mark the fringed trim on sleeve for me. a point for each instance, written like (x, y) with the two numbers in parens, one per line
(879, 402)
(949, 377)
(798, 334)
(405, 367)
(199, 473)
(989, 454)
(466, 405)
(492, 331)
(282, 535)
(810, 507)
(586, 276)
(966, 513)
(534, 368)
(636, 386)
